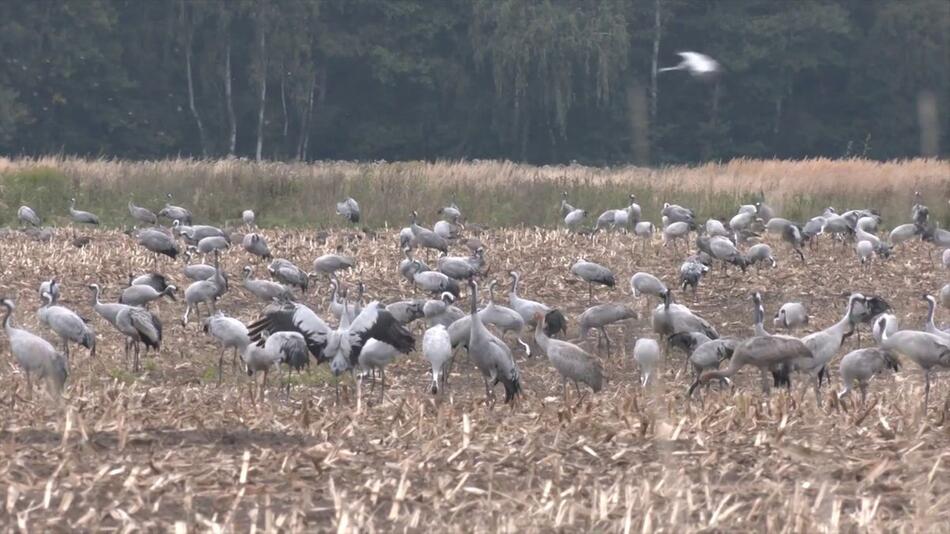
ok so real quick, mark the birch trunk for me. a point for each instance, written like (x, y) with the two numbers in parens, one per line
(263, 100)
(232, 122)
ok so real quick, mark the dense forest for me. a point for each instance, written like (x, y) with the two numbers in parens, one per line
(543, 81)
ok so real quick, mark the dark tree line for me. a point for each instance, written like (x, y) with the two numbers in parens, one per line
(532, 80)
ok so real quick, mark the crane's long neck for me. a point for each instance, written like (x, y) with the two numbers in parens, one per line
(845, 325)
(491, 295)
(930, 314)
(514, 284)
(474, 301)
(758, 317)
(8, 319)
(541, 338)
(732, 369)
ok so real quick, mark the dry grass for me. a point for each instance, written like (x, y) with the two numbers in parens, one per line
(169, 449)
(499, 193)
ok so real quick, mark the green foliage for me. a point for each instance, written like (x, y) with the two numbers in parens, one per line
(544, 81)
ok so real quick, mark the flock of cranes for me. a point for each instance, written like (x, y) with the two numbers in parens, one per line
(368, 336)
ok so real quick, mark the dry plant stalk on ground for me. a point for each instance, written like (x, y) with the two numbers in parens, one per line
(171, 450)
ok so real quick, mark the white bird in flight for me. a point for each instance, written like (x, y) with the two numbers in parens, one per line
(699, 65)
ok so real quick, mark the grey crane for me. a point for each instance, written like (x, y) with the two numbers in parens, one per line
(646, 284)
(142, 215)
(228, 333)
(156, 281)
(571, 362)
(945, 296)
(376, 355)
(554, 320)
(349, 209)
(824, 344)
(50, 286)
(285, 272)
(764, 211)
(938, 236)
(565, 206)
(265, 290)
(408, 267)
(593, 273)
(67, 325)
(27, 216)
(945, 259)
(441, 310)
(926, 350)
(491, 356)
(256, 245)
(450, 213)
(204, 291)
(646, 354)
(213, 243)
(407, 241)
(502, 317)
(158, 242)
(676, 213)
(198, 271)
(929, 325)
(669, 318)
(704, 353)
(600, 317)
(142, 295)
(106, 310)
(175, 213)
(437, 350)
(887, 322)
(675, 231)
(139, 326)
(248, 218)
(34, 355)
(691, 272)
(285, 347)
(575, 218)
(461, 268)
(449, 231)
(329, 264)
(434, 282)
(714, 228)
(812, 229)
(725, 251)
(406, 311)
(791, 316)
(81, 217)
(426, 238)
(865, 311)
(644, 231)
(743, 222)
(698, 65)
(795, 237)
(903, 232)
(764, 352)
(837, 226)
(195, 234)
(759, 253)
(862, 364)
(628, 216)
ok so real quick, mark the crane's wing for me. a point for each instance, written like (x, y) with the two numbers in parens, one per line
(293, 317)
(291, 346)
(148, 325)
(377, 323)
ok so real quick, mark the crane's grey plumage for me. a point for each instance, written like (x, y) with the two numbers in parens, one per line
(824, 344)
(929, 325)
(205, 291)
(763, 352)
(441, 310)
(676, 213)
(81, 217)
(528, 309)
(434, 282)
(195, 234)
(938, 236)
(646, 284)
(158, 242)
(437, 349)
(156, 281)
(601, 316)
(593, 273)
(406, 311)
(256, 245)
(142, 295)
(675, 231)
(408, 267)
(34, 355)
(791, 316)
(571, 362)
(227, 332)
(329, 264)
(248, 218)
(285, 347)
(50, 286)
(885, 322)
(904, 232)
(426, 238)
(209, 244)
(501, 317)
(758, 253)
(574, 219)
(265, 290)
(285, 272)
(669, 318)
(27, 216)
(142, 215)
(139, 326)
(926, 350)
(646, 353)
(67, 325)
(447, 230)
(349, 209)
(565, 206)
(198, 271)
(491, 356)
(691, 272)
(376, 355)
(175, 213)
(461, 268)
(945, 296)
(862, 364)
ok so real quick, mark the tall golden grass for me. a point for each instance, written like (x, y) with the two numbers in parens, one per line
(491, 192)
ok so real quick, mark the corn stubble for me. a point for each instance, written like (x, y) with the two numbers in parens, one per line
(168, 449)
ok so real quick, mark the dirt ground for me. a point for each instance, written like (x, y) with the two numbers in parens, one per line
(170, 449)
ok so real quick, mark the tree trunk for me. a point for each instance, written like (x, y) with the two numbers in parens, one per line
(232, 122)
(304, 138)
(189, 32)
(654, 62)
(263, 100)
(283, 104)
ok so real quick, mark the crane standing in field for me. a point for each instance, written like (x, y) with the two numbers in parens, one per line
(34, 355)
